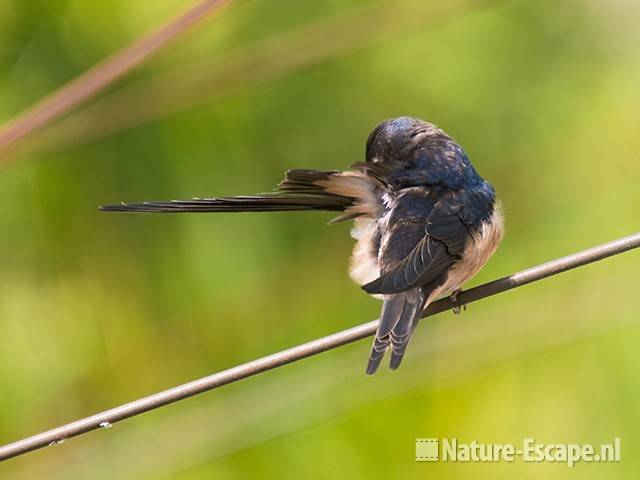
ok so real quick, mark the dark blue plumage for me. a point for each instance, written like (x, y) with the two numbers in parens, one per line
(425, 220)
(436, 209)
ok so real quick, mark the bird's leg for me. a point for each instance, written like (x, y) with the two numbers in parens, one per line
(454, 298)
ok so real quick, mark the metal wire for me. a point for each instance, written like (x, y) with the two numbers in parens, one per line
(105, 419)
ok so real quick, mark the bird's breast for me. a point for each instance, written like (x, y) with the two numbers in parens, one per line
(478, 249)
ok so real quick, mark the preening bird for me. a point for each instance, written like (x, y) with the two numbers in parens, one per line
(425, 221)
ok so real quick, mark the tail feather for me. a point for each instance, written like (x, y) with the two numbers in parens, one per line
(380, 346)
(400, 313)
(403, 331)
(298, 191)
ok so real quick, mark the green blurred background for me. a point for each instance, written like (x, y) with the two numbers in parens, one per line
(98, 309)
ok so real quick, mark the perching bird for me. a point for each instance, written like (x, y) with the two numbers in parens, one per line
(425, 221)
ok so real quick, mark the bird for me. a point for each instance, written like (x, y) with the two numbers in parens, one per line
(425, 221)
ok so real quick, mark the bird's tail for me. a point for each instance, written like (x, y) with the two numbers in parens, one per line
(400, 314)
(300, 190)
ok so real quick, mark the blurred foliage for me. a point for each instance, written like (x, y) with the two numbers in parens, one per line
(99, 309)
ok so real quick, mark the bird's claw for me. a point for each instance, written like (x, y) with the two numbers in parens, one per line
(457, 308)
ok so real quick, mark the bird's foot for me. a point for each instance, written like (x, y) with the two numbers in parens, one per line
(457, 308)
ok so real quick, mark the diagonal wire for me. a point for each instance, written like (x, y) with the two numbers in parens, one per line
(314, 347)
(102, 75)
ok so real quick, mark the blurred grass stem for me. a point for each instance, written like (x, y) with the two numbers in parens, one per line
(101, 76)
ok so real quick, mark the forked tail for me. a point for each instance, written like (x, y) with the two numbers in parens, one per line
(400, 314)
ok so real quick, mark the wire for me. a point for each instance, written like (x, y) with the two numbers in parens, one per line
(102, 75)
(105, 419)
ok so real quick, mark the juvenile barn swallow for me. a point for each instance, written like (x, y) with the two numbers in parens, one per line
(424, 220)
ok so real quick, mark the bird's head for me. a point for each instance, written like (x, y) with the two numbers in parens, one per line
(419, 153)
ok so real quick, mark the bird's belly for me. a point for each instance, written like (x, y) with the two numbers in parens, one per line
(477, 252)
(364, 260)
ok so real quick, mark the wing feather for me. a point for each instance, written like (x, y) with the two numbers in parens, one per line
(442, 235)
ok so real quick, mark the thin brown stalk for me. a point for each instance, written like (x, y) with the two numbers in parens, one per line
(100, 76)
(274, 57)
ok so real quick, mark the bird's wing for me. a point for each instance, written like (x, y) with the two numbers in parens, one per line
(423, 239)
(300, 190)
(352, 192)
